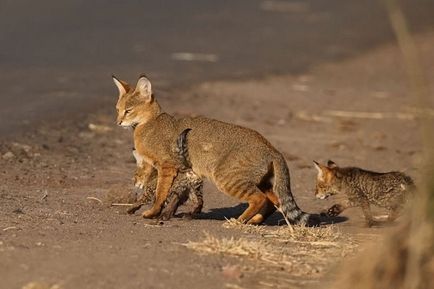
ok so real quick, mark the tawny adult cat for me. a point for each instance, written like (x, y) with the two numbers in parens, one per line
(238, 160)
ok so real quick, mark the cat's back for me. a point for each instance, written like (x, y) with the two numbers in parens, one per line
(224, 134)
(215, 146)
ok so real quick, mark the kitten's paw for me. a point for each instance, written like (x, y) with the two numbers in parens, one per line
(139, 182)
(334, 211)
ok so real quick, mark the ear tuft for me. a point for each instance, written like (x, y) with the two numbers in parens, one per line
(319, 169)
(331, 164)
(144, 88)
(122, 86)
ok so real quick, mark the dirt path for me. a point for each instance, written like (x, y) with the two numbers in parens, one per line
(51, 232)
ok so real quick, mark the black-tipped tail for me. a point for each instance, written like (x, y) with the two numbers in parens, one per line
(288, 206)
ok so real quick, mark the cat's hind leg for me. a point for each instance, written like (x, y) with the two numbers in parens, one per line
(267, 210)
(368, 214)
(254, 197)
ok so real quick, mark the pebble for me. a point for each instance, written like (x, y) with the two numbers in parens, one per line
(8, 156)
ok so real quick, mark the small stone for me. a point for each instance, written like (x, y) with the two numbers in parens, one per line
(281, 122)
(8, 156)
(232, 272)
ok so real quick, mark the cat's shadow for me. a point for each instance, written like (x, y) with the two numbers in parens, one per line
(275, 219)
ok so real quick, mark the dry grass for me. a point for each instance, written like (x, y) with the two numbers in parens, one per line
(235, 247)
(311, 234)
(245, 228)
(300, 251)
(328, 234)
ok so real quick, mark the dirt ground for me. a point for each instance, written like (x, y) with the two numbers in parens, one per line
(58, 230)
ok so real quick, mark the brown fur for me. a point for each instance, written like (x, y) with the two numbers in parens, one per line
(239, 161)
(363, 188)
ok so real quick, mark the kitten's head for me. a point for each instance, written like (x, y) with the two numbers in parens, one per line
(327, 181)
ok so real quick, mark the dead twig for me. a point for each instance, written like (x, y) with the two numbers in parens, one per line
(95, 199)
(10, 228)
(121, 204)
(291, 228)
(44, 196)
(370, 115)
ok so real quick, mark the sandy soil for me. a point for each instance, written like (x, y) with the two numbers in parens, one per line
(52, 233)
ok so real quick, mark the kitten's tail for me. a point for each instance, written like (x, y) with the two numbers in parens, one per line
(182, 149)
(288, 206)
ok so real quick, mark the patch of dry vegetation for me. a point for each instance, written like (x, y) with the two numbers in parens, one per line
(298, 250)
(311, 234)
(245, 228)
(235, 247)
(329, 234)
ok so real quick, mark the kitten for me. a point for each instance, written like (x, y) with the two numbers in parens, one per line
(387, 190)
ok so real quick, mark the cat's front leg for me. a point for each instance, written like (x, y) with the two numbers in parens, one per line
(166, 175)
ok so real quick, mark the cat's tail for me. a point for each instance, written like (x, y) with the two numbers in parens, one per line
(181, 148)
(288, 206)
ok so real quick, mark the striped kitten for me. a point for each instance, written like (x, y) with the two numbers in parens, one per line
(363, 188)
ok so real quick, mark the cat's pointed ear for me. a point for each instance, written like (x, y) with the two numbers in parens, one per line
(320, 169)
(144, 88)
(122, 86)
(331, 164)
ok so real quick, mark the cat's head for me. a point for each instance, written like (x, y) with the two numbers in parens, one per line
(327, 180)
(135, 106)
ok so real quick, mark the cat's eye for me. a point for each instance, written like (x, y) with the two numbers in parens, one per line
(128, 110)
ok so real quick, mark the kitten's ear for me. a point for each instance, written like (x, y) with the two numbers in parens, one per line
(144, 88)
(320, 170)
(122, 86)
(331, 164)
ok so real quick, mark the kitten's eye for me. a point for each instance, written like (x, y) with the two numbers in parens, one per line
(128, 111)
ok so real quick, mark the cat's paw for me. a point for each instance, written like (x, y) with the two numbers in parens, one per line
(151, 213)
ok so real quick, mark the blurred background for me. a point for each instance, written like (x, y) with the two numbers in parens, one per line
(319, 79)
(56, 57)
